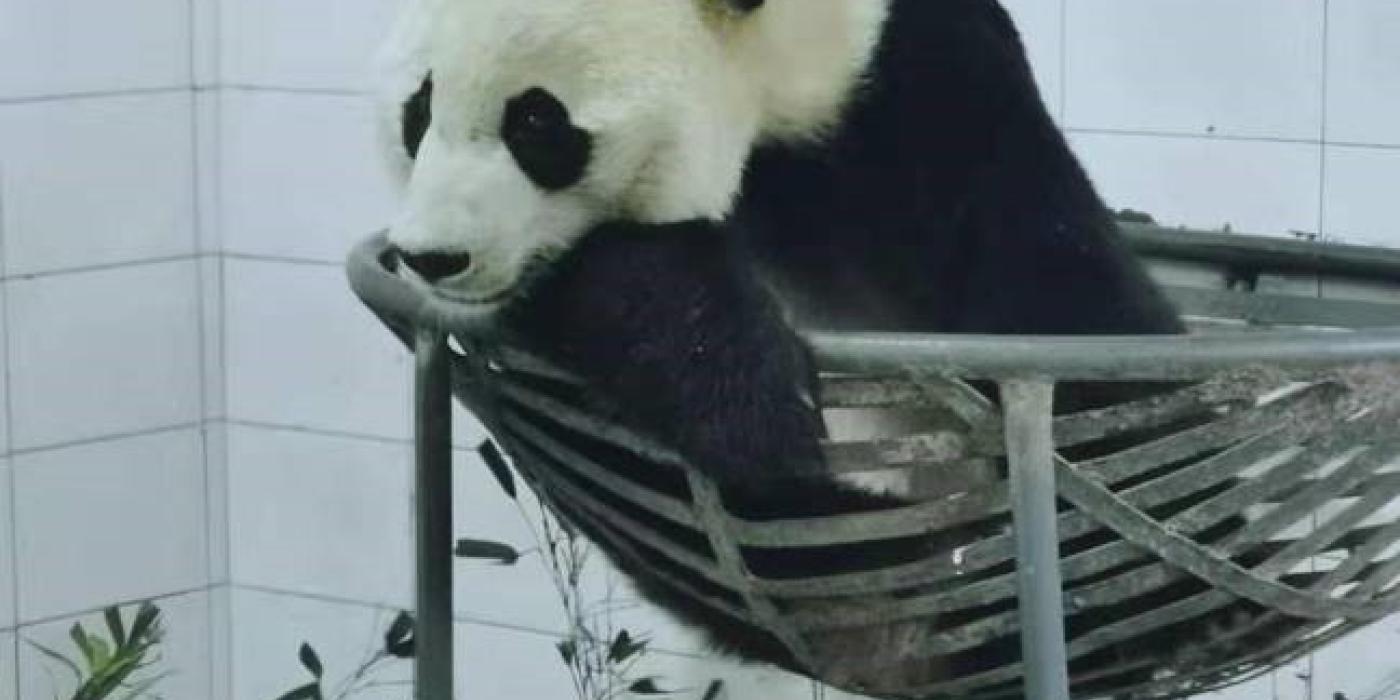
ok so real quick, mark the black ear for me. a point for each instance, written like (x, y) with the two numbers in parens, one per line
(746, 5)
(417, 115)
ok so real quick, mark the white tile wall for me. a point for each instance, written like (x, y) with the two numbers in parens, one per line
(214, 388)
(4, 371)
(1361, 665)
(302, 351)
(338, 511)
(96, 181)
(184, 652)
(320, 44)
(498, 664)
(217, 488)
(50, 47)
(1253, 186)
(1237, 67)
(204, 40)
(1040, 24)
(221, 643)
(268, 629)
(1363, 59)
(208, 132)
(127, 517)
(1361, 190)
(103, 352)
(523, 594)
(9, 674)
(301, 175)
(1287, 683)
(7, 558)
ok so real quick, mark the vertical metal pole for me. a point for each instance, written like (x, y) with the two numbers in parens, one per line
(1030, 449)
(433, 489)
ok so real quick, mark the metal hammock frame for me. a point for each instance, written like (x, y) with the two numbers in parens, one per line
(1304, 426)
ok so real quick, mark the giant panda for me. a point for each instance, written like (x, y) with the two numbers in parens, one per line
(658, 192)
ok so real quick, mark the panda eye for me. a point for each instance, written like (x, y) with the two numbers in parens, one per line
(417, 115)
(548, 147)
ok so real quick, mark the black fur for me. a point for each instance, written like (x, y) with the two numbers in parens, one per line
(417, 116)
(671, 322)
(540, 134)
(946, 201)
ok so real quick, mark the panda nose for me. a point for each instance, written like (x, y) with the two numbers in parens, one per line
(437, 266)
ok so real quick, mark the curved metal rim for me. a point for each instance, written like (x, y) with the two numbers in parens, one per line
(993, 357)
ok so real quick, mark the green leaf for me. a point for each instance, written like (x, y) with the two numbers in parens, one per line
(141, 688)
(311, 661)
(496, 462)
(310, 691)
(101, 651)
(568, 650)
(646, 686)
(67, 662)
(623, 647)
(481, 549)
(398, 640)
(81, 640)
(115, 627)
(146, 623)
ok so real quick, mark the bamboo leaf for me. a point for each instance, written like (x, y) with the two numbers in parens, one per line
(399, 640)
(568, 650)
(310, 691)
(496, 462)
(311, 661)
(623, 647)
(146, 623)
(80, 640)
(115, 627)
(646, 686)
(482, 549)
(712, 693)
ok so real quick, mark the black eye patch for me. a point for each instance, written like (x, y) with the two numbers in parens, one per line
(549, 149)
(417, 115)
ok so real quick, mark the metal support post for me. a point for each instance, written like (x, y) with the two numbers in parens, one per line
(433, 657)
(1030, 449)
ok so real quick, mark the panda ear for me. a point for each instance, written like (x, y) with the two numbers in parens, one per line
(745, 5)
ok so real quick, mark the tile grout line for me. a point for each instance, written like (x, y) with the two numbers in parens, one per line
(183, 257)
(380, 606)
(324, 432)
(93, 95)
(1325, 96)
(198, 233)
(83, 612)
(106, 438)
(1182, 135)
(98, 267)
(12, 501)
(293, 90)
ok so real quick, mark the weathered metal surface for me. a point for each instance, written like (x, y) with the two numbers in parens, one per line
(1165, 589)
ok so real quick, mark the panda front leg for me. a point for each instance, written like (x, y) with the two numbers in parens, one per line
(670, 322)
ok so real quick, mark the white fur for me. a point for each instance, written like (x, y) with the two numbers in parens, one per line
(805, 58)
(675, 92)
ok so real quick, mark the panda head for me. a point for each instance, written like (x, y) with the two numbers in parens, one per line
(518, 125)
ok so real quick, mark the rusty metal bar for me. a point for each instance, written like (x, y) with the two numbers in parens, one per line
(1030, 448)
